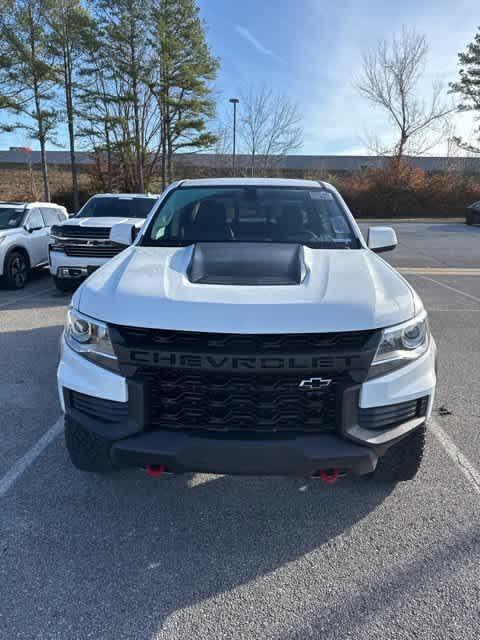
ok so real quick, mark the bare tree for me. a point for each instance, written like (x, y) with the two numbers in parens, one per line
(269, 127)
(391, 77)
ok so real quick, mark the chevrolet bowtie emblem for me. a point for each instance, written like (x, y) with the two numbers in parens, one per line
(314, 384)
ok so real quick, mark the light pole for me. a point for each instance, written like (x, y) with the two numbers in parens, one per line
(234, 101)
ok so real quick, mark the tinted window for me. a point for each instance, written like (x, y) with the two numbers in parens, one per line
(35, 220)
(313, 217)
(11, 217)
(52, 216)
(117, 207)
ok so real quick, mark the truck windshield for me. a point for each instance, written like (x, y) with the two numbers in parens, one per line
(313, 217)
(11, 217)
(117, 207)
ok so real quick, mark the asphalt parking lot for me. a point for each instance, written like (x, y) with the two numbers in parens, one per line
(125, 556)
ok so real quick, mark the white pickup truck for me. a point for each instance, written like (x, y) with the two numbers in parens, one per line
(81, 244)
(248, 329)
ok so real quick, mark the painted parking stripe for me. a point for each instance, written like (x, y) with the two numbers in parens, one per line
(12, 475)
(450, 288)
(438, 271)
(462, 463)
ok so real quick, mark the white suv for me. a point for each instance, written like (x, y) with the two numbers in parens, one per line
(81, 245)
(24, 237)
(249, 329)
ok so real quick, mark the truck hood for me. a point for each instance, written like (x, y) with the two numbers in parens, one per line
(102, 222)
(341, 291)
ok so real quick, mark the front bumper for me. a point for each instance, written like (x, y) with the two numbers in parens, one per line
(73, 267)
(352, 449)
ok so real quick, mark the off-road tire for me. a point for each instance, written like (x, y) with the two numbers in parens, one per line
(402, 461)
(88, 451)
(16, 270)
(63, 285)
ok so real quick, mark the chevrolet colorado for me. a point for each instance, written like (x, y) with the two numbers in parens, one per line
(249, 329)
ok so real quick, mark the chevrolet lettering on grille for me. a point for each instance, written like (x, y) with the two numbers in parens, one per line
(222, 362)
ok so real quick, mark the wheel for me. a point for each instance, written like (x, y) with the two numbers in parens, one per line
(87, 450)
(63, 285)
(402, 461)
(16, 270)
(469, 218)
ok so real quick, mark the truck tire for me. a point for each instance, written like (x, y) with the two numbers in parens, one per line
(88, 451)
(63, 284)
(16, 270)
(402, 461)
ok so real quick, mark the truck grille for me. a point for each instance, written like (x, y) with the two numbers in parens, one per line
(179, 399)
(85, 242)
(73, 231)
(242, 382)
(92, 251)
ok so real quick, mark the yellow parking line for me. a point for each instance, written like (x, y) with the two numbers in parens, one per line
(439, 271)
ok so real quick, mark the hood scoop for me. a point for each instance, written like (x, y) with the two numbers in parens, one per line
(247, 263)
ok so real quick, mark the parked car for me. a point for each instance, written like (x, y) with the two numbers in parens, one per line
(81, 244)
(24, 238)
(472, 215)
(248, 329)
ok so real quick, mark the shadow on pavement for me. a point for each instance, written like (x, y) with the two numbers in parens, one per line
(124, 552)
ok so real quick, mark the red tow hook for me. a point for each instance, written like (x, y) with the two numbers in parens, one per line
(155, 470)
(329, 476)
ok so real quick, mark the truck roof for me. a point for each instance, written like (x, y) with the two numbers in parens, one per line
(254, 182)
(126, 195)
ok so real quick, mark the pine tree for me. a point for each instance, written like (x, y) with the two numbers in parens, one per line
(468, 86)
(125, 27)
(26, 69)
(71, 38)
(182, 74)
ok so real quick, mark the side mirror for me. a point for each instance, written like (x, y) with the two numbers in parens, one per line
(123, 233)
(31, 229)
(381, 239)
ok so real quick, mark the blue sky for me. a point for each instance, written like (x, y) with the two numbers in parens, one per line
(311, 50)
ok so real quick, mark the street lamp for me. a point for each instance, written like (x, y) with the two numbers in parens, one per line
(234, 101)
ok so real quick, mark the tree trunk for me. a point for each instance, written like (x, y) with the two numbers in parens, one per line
(41, 138)
(39, 118)
(43, 156)
(136, 113)
(170, 160)
(164, 154)
(71, 131)
(109, 161)
(138, 149)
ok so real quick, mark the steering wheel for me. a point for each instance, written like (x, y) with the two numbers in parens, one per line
(302, 236)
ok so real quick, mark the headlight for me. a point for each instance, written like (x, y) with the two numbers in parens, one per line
(401, 344)
(90, 338)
